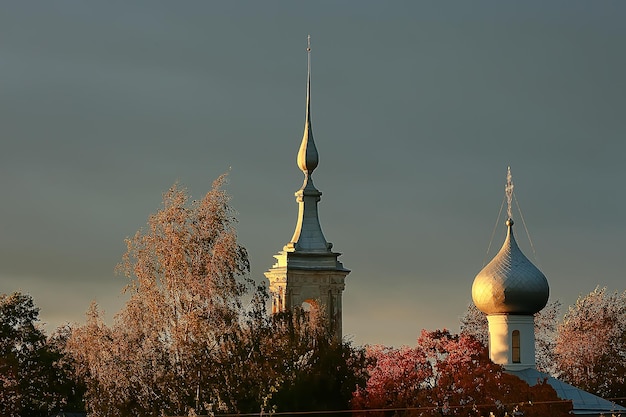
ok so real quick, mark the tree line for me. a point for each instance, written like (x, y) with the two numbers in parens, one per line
(195, 338)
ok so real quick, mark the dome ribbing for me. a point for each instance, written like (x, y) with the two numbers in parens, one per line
(510, 283)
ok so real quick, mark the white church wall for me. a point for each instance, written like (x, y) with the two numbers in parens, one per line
(501, 346)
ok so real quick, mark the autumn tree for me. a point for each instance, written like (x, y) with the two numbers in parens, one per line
(101, 366)
(591, 344)
(187, 277)
(546, 323)
(474, 323)
(288, 362)
(446, 374)
(320, 374)
(34, 380)
(397, 377)
(195, 335)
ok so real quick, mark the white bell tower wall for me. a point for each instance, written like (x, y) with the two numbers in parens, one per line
(512, 340)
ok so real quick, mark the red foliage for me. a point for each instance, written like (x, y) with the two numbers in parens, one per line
(446, 374)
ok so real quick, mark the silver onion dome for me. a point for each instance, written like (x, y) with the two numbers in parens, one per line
(510, 283)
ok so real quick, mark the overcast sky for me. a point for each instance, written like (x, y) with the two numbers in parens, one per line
(418, 108)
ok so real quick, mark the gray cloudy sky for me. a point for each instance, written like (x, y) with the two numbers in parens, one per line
(418, 108)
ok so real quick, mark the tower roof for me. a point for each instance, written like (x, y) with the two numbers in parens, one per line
(308, 236)
(510, 283)
(584, 403)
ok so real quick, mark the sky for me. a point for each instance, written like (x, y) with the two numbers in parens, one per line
(418, 108)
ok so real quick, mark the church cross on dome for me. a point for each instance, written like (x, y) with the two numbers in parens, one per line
(508, 190)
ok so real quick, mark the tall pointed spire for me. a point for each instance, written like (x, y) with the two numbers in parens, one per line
(307, 155)
(308, 236)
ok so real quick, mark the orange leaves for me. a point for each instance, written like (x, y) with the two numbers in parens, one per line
(187, 275)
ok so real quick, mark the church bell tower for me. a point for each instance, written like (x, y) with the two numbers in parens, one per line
(307, 270)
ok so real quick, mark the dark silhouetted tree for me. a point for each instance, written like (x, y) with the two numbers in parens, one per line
(34, 378)
(288, 362)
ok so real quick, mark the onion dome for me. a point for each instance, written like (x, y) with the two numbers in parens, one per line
(510, 283)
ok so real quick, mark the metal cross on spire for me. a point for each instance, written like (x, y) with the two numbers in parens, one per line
(508, 190)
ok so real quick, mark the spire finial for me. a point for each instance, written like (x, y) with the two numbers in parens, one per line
(307, 155)
(508, 190)
(308, 77)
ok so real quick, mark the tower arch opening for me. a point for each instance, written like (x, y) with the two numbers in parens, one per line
(309, 305)
(314, 310)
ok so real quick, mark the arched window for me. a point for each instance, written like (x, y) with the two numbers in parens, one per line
(515, 347)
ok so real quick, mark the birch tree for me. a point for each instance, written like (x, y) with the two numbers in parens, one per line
(187, 279)
(591, 344)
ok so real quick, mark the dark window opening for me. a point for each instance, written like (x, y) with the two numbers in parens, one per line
(515, 345)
